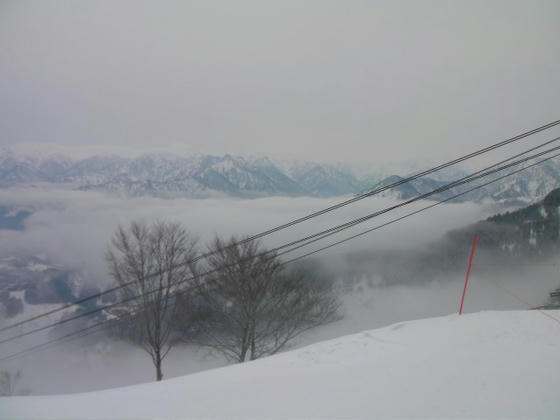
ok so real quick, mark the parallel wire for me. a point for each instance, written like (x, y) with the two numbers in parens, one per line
(309, 216)
(462, 181)
(112, 322)
(408, 179)
(315, 237)
(450, 198)
(469, 178)
(418, 211)
(83, 332)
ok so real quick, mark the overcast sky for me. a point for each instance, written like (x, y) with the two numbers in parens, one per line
(343, 81)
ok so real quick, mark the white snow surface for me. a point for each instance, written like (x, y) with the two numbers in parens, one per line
(496, 364)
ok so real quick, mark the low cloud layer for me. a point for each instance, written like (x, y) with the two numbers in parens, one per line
(74, 228)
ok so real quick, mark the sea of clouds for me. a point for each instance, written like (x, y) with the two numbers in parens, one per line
(73, 229)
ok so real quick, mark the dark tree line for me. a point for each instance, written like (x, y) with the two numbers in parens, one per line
(241, 300)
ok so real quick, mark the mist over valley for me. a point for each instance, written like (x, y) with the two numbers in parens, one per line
(55, 241)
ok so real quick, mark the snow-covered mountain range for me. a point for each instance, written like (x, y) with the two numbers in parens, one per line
(200, 176)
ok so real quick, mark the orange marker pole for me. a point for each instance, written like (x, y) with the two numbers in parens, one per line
(468, 274)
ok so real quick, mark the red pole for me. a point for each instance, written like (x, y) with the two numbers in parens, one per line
(468, 274)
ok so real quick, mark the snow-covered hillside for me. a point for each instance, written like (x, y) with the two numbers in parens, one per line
(482, 365)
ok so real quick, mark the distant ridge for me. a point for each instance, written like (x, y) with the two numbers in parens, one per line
(202, 176)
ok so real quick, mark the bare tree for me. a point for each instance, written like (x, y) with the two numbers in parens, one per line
(9, 384)
(257, 306)
(153, 262)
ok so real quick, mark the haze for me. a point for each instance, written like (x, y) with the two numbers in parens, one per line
(322, 80)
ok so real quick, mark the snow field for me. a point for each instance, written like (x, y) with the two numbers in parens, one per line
(482, 365)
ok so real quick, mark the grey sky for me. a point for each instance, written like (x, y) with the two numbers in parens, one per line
(326, 80)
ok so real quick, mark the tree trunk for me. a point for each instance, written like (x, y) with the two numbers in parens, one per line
(243, 353)
(244, 345)
(253, 346)
(157, 362)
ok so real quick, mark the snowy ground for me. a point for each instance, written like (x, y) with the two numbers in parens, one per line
(481, 365)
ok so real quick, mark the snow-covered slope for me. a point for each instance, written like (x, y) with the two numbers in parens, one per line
(482, 365)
